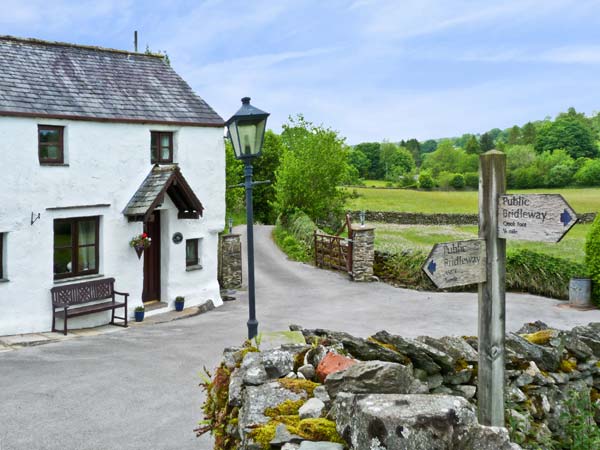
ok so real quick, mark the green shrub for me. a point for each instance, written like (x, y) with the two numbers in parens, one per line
(295, 236)
(592, 258)
(426, 181)
(457, 181)
(589, 173)
(472, 180)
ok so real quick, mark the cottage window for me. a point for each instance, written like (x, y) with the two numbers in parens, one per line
(76, 248)
(161, 147)
(50, 144)
(192, 252)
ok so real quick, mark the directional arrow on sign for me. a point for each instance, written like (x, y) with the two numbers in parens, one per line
(534, 217)
(456, 263)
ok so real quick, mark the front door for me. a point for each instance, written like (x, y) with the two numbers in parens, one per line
(152, 260)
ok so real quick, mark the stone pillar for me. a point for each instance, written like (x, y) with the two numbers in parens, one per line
(363, 253)
(230, 262)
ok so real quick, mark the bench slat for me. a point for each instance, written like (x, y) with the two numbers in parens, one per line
(83, 310)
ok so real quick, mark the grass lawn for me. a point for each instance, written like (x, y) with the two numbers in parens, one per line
(391, 237)
(406, 200)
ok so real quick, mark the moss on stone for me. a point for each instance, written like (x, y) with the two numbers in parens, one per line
(319, 430)
(287, 408)
(382, 344)
(594, 395)
(264, 434)
(299, 359)
(568, 365)
(461, 364)
(298, 386)
(540, 337)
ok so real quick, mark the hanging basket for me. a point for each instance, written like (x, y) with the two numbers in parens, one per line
(139, 249)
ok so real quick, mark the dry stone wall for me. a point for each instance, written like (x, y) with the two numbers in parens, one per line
(230, 261)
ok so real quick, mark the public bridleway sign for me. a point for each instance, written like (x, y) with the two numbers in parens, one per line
(534, 217)
(456, 263)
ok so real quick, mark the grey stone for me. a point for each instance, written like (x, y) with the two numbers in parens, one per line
(485, 438)
(435, 381)
(560, 377)
(292, 375)
(321, 393)
(255, 399)
(277, 363)
(465, 390)
(365, 350)
(290, 446)
(442, 390)
(236, 385)
(232, 357)
(533, 327)
(456, 347)
(374, 377)
(270, 340)
(460, 377)
(317, 445)
(523, 380)
(308, 370)
(545, 357)
(254, 375)
(312, 409)
(315, 355)
(578, 347)
(514, 394)
(283, 436)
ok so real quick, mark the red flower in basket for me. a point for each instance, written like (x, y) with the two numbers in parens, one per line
(139, 243)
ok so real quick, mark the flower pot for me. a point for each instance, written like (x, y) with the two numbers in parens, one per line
(580, 292)
(139, 316)
(179, 306)
(139, 249)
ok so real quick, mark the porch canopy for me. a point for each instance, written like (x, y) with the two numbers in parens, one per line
(150, 195)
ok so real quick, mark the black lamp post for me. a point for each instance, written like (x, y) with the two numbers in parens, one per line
(246, 129)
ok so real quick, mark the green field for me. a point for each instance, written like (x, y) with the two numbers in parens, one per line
(394, 238)
(406, 200)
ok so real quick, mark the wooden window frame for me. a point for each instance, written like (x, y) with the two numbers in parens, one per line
(159, 135)
(196, 261)
(61, 147)
(73, 221)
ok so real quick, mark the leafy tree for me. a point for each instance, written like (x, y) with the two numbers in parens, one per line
(426, 180)
(396, 160)
(360, 161)
(472, 146)
(429, 146)
(514, 136)
(486, 142)
(589, 173)
(494, 133)
(312, 167)
(264, 169)
(372, 150)
(413, 146)
(445, 158)
(518, 156)
(234, 174)
(457, 181)
(528, 134)
(571, 132)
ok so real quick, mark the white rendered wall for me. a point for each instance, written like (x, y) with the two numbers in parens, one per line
(107, 162)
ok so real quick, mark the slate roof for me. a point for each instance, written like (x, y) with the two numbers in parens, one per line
(52, 79)
(163, 179)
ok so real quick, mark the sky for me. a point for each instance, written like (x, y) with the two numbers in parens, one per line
(370, 69)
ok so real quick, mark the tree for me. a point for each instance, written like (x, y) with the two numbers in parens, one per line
(371, 150)
(472, 146)
(514, 135)
(234, 174)
(265, 168)
(571, 132)
(486, 142)
(429, 146)
(528, 134)
(445, 158)
(312, 167)
(413, 146)
(360, 161)
(395, 160)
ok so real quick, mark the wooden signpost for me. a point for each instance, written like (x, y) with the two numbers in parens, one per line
(531, 217)
(456, 263)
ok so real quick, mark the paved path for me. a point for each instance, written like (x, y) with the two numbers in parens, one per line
(138, 388)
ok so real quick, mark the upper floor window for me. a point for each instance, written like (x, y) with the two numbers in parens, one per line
(76, 249)
(50, 144)
(161, 147)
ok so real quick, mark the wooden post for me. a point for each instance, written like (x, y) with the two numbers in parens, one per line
(492, 308)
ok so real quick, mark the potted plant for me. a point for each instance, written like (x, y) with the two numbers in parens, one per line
(179, 302)
(139, 313)
(140, 243)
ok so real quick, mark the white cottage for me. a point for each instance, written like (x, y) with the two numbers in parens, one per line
(98, 146)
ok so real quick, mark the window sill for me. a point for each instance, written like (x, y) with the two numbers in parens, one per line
(81, 278)
(4, 280)
(50, 164)
(194, 267)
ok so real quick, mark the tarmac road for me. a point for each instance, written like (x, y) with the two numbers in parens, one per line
(138, 388)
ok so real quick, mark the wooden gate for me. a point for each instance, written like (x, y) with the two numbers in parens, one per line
(334, 251)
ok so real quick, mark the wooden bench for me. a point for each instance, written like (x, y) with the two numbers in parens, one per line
(67, 301)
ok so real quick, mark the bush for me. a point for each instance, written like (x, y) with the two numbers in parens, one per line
(592, 258)
(457, 181)
(589, 173)
(426, 180)
(472, 180)
(560, 176)
(294, 236)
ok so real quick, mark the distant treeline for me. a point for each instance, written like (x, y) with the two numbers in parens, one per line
(546, 153)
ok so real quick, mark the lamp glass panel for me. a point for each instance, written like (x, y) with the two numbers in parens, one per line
(260, 131)
(235, 139)
(248, 132)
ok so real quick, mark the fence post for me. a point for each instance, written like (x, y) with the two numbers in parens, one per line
(492, 308)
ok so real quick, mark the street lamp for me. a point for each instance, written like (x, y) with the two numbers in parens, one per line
(246, 130)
